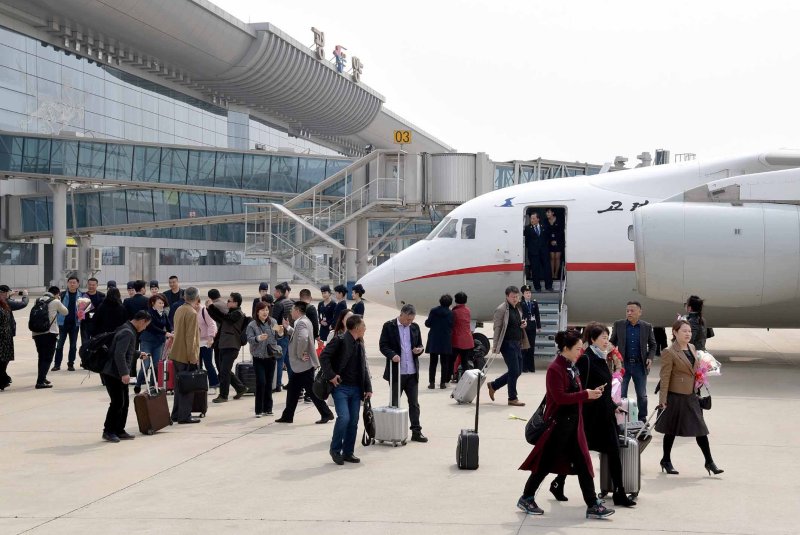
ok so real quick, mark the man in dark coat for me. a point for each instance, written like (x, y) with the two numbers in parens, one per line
(637, 344)
(538, 252)
(401, 344)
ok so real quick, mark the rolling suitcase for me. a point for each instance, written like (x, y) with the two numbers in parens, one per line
(470, 382)
(200, 402)
(246, 373)
(196, 382)
(166, 375)
(631, 467)
(467, 447)
(391, 423)
(152, 409)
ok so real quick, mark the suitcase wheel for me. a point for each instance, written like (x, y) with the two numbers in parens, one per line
(150, 432)
(395, 444)
(635, 494)
(202, 415)
(404, 443)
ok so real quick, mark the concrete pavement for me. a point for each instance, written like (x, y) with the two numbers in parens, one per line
(234, 472)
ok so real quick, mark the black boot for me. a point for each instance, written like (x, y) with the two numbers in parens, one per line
(620, 498)
(558, 491)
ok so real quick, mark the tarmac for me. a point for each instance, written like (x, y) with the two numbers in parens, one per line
(235, 473)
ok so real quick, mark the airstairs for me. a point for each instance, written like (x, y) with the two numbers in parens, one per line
(553, 313)
(308, 232)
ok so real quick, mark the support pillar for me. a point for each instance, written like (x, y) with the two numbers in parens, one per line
(84, 266)
(273, 275)
(362, 240)
(351, 253)
(59, 232)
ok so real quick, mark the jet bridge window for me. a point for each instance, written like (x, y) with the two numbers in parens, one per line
(468, 228)
(449, 230)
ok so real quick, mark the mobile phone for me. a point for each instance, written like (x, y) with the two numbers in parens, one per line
(21, 292)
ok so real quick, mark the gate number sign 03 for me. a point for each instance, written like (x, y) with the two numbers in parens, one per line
(402, 137)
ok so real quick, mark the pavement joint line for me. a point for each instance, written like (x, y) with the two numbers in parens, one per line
(151, 476)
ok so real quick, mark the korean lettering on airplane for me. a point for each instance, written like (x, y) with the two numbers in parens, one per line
(616, 206)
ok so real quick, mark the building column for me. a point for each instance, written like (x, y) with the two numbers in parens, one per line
(351, 253)
(59, 227)
(362, 239)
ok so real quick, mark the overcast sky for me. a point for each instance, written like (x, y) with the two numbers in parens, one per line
(574, 80)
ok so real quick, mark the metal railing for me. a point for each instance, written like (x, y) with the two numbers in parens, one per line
(377, 191)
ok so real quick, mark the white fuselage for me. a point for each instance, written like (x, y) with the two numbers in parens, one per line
(599, 256)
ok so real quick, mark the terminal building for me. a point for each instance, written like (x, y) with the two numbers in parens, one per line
(144, 139)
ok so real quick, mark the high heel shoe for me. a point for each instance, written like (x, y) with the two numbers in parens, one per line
(558, 491)
(711, 467)
(666, 466)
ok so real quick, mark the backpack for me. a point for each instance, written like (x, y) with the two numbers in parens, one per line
(94, 353)
(243, 335)
(39, 320)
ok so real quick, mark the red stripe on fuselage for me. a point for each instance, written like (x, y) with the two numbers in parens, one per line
(498, 268)
(601, 266)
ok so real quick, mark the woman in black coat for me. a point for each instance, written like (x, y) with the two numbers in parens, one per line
(599, 416)
(110, 314)
(440, 348)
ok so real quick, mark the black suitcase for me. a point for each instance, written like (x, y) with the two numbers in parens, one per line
(246, 373)
(200, 402)
(467, 447)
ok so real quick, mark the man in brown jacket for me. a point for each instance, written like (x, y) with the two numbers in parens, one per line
(185, 352)
(509, 339)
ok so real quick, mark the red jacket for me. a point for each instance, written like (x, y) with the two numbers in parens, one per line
(462, 335)
(557, 381)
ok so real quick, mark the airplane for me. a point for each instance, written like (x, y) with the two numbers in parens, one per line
(727, 230)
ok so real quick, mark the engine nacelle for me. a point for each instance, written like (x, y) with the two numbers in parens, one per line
(731, 256)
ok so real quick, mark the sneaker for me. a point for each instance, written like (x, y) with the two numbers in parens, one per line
(219, 399)
(598, 510)
(258, 415)
(529, 506)
(70, 368)
(239, 394)
(39, 386)
(268, 413)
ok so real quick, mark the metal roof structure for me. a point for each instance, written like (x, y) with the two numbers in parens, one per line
(215, 57)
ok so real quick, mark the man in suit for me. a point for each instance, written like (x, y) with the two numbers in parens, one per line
(185, 352)
(303, 356)
(138, 301)
(401, 344)
(637, 344)
(538, 251)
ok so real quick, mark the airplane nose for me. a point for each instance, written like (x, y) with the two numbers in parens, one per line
(379, 284)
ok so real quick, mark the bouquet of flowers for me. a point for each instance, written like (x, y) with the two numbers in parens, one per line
(82, 304)
(712, 365)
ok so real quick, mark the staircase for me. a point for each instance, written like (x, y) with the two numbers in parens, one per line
(553, 313)
(306, 232)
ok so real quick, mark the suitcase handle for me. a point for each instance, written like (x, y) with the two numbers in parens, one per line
(391, 383)
(149, 375)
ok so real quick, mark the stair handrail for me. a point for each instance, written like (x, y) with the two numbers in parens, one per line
(562, 306)
(296, 251)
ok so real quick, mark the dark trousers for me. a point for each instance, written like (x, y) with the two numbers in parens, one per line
(65, 331)
(226, 378)
(207, 363)
(512, 355)
(4, 377)
(446, 366)
(265, 371)
(45, 346)
(637, 371)
(528, 362)
(182, 403)
(614, 467)
(460, 357)
(117, 415)
(410, 385)
(297, 382)
(540, 270)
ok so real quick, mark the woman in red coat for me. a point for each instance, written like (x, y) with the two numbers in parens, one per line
(562, 449)
(462, 335)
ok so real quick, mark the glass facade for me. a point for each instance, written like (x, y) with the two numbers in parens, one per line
(43, 90)
(199, 257)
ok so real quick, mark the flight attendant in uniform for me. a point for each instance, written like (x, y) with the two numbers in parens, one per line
(530, 309)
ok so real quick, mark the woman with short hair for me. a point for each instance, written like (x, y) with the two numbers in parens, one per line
(440, 323)
(562, 448)
(153, 338)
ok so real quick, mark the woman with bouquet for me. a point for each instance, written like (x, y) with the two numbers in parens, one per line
(682, 374)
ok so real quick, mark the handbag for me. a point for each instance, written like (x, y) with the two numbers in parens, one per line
(537, 425)
(321, 386)
(192, 381)
(368, 438)
(705, 401)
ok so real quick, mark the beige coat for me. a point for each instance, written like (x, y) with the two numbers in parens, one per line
(501, 324)
(186, 344)
(677, 373)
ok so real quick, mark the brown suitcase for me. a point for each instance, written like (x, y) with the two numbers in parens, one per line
(152, 409)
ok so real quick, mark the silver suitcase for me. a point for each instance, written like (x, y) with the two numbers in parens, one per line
(391, 423)
(631, 467)
(471, 380)
(467, 387)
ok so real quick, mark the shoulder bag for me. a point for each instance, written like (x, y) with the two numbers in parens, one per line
(537, 425)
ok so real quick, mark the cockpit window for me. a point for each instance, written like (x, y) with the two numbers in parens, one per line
(449, 230)
(468, 228)
(437, 229)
